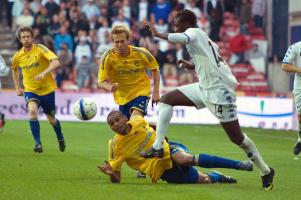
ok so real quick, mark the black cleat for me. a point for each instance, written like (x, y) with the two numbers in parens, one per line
(141, 175)
(225, 179)
(246, 165)
(38, 148)
(297, 148)
(267, 180)
(62, 145)
(153, 153)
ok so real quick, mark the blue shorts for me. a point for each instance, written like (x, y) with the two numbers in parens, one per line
(139, 103)
(180, 174)
(47, 102)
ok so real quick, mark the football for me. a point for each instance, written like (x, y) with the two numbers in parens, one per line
(85, 109)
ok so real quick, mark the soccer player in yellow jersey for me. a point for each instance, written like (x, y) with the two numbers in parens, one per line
(176, 166)
(123, 72)
(37, 62)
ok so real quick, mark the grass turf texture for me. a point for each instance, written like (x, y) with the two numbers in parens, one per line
(73, 174)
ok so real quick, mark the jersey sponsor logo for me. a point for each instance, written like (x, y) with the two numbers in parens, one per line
(145, 141)
(28, 67)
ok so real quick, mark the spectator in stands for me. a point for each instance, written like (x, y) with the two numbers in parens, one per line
(65, 57)
(103, 29)
(191, 5)
(52, 8)
(245, 16)
(83, 71)
(144, 9)
(121, 20)
(90, 9)
(83, 49)
(238, 47)
(161, 26)
(79, 22)
(258, 12)
(107, 44)
(17, 9)
(255, 52)
(63, 37)
(204, 24)
(215, 13)
(35, 6)
(41, 25)
(26, 19)
(126, 8)
(161, 10)
(160, 57)
(54, 26)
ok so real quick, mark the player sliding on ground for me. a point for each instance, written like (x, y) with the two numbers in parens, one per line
(215, 90)
(37, 62)
(176, 166)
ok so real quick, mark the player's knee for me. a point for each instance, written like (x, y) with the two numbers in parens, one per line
(33, 113)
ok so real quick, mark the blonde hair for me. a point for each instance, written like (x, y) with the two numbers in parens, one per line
(120, 29)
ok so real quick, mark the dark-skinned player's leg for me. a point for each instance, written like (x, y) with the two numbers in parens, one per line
(243, 141)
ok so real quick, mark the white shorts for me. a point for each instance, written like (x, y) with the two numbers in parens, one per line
(219, 101)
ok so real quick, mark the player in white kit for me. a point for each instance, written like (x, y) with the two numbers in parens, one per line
(215, 90)
(4, 70)
(292, 63)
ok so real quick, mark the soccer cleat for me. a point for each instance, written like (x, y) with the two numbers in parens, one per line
(62, 145)
(153, 153)
(246, 165)
(224, 178)
(267, 180)
(38, 148)
(297, 148)
(141, 175)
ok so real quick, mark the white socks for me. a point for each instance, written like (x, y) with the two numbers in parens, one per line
(164, 117)
(249, 147)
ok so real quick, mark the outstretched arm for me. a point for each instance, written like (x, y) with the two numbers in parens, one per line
(107, 169)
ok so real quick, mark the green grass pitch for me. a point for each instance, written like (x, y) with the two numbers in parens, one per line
(74, 175)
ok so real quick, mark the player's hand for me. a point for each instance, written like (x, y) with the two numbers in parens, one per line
(151, 28)
(106, 168)
(155, 99)
(184, 64)
(19, 92)
(114, 87)
(40, 76)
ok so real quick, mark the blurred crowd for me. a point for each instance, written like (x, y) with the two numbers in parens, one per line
(79, 31)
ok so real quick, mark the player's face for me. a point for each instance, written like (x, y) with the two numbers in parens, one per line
(120, 43)
(118, 123)
(26, 39)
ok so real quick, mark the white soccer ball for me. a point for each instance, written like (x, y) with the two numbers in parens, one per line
(85, 109)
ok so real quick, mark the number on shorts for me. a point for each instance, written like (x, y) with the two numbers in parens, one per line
(218, 109)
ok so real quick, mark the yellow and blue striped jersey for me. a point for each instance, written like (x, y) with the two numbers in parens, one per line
(129, 72)
(127, 148)
(32, 63)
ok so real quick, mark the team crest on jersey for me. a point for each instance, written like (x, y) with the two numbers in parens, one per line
(136, 62)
